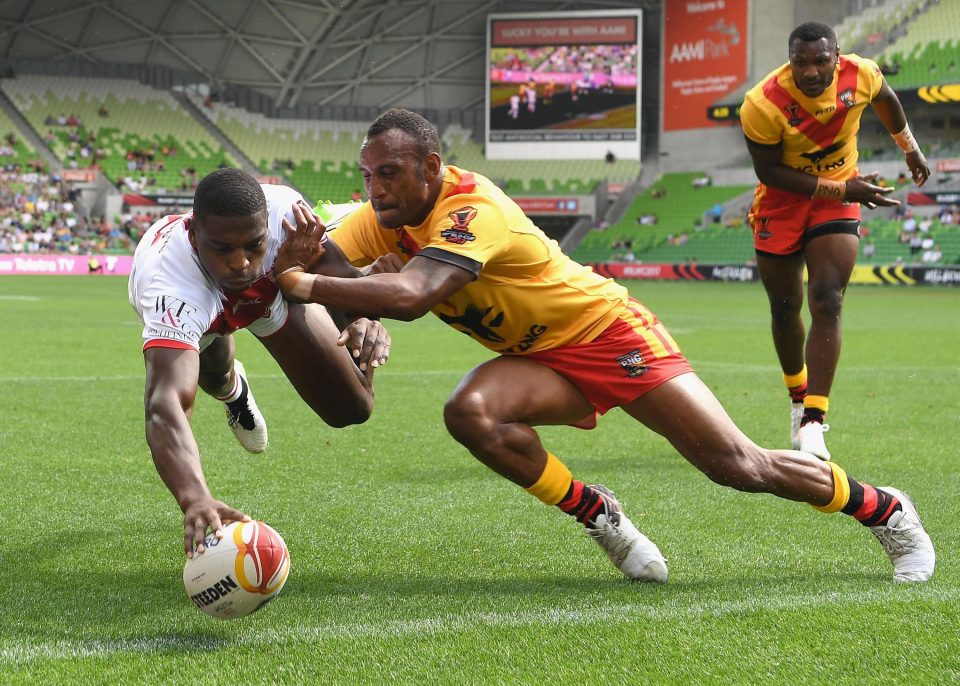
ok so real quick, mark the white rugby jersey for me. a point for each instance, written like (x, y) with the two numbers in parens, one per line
(181, 306)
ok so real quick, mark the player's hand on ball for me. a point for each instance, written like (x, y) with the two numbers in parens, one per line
(368, 342)
(203, 516)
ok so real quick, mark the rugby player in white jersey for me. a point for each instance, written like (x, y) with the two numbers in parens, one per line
(199, 277)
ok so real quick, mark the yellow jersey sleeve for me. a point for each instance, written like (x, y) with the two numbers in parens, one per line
(359, 237)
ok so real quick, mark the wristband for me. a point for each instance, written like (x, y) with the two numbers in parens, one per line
(828, 188)
(290, 278)
(302, 287)
(905, 140)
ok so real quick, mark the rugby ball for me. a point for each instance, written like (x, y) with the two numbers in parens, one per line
(239, 573)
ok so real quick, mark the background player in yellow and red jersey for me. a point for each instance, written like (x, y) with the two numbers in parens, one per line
(573, 344)
(801, 124)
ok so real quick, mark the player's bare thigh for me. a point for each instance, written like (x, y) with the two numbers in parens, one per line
(516, 389)
(322, 372)
(686, 413)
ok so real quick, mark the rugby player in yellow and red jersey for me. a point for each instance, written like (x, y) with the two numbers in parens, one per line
(572, 345)
(801, 124)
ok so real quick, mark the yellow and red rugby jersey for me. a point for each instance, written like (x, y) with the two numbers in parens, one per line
(527, 295)
(819, 135)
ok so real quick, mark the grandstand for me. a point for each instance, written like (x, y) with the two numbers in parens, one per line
(682, 226)
(929, 51)
(874, 23)
(319, 157)
(140, 137)
(160, 133)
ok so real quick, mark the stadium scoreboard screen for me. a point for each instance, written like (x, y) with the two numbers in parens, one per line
(563, 85)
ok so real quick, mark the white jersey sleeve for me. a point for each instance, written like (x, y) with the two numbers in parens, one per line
(168, 289)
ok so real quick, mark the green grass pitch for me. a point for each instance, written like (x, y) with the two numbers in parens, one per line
(412, 563)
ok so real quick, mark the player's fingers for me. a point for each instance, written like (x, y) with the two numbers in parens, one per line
(216, 525)
(382, 353)
(303, 225)
(288, 229)
(194, 531)
(357, 338)
(229, 515)
(344, 337)
(368, 348)
(308, 216)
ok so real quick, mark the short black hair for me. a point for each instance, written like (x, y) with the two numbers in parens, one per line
(410, 123)
(228, 192)
(811, 31)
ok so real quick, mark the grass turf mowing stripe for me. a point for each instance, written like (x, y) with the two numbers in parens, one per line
(678, 609)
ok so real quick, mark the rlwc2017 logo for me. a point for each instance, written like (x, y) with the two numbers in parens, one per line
(458, 234)
(763, 233)
(846, 96)
(793, 114)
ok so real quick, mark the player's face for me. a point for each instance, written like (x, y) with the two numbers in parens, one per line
(813, 64)
(397, 178)
(231, 249)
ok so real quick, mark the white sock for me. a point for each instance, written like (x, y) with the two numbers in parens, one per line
(235, 393)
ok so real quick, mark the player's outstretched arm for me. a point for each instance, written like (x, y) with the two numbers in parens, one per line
(171, 388)
(890, 111)
(768, 164)
(406, 295)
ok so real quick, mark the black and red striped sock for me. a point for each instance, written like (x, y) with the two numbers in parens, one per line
(869, 505)
(812, 414)
(581, 502)
(798, 393)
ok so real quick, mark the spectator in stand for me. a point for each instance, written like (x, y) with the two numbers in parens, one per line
(869, 250)
(932, 255)
(909, 223)
(916, 244)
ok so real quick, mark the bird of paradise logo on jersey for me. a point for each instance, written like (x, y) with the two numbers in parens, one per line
(263, 562)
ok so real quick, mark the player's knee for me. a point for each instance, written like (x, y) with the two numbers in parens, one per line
(467, 417)
(784, 310)
(826, 302)
(350, 413)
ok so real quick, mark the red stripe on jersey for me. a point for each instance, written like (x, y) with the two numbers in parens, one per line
(405, 242)
(821, 134)
(243, 308)
(467, 184)
(167, 343)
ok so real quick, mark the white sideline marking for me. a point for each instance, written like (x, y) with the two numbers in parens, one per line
(25, 298)
(671, 610)
(139, 377)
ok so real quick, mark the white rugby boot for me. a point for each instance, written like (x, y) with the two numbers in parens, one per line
(796, 415)
(244, 417)
(810, 438)
(905, 542)
(633, 553)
